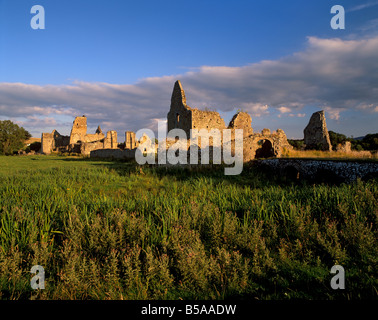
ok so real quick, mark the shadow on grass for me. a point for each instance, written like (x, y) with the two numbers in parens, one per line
(252, 175)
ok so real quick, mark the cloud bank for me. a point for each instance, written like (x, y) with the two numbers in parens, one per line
(332, 74)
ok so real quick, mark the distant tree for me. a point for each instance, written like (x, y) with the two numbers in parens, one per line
(35, 146)
(297, 144)
(12, 137)
(357, 147)
(336, 138)
(370, 142)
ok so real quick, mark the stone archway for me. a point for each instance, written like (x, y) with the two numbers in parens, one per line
(265, 149)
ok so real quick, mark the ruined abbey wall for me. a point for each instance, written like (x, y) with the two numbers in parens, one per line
(53, 141)
(79, 130)
(255, 145)
(207, 120)
(181, 116)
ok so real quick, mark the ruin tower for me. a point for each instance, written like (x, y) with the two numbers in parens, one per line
(316, 134)
(179, 115)
(130, 140)
(242, 120)
(110, 141)
(79, 130)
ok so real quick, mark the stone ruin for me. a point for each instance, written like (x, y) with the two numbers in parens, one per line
(316, 134)
(255, 145)
(264, 144)
(79, 141)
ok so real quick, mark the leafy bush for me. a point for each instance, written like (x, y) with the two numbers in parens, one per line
(12, 137)
(297, 144)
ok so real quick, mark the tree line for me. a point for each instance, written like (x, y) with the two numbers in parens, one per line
(12, 137)
(368, 142)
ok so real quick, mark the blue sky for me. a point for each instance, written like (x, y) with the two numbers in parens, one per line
(116, 62)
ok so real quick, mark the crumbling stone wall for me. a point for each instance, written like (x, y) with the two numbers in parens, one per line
(242, 120)
(113, 153)
(179, 115)
(47, 143)
(206, 120)
(94, 137)
(111, 141)
(78, 141)
(316, 134)
(79, 130)
(346, 146)
(87, 147)
(264, 144)
(130, 140)
(52, 142)
(333, 170)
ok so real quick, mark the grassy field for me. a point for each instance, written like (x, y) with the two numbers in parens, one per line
(113, 230)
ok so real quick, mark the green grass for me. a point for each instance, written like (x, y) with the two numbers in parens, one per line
(113, 230)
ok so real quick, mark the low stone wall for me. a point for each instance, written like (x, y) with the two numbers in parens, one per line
(113, 154)
(322, 170)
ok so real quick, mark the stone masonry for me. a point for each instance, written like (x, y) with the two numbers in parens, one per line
(79, 141)
(79, 130)
(181, 116)
(255, 145)
(316, 134)
(53, 141)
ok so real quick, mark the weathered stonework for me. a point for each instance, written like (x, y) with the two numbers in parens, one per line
(181, 116)
(130, 140)
(316, 134)
(78, 141)
(110, 141)
(242, 120)
(52, 142)
(344, 147)
(79, 130)
(331, 170)
(255, 145)
(113, 153)
(94, 137)
(87, 147)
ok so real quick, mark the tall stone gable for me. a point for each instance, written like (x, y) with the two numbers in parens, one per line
(79, 130)
(242, 120)
(179, 115)
(316, 134)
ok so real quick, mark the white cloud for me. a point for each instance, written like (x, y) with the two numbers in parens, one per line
(333, 113)
(284, 109)
(363, 6)
(332, 74)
